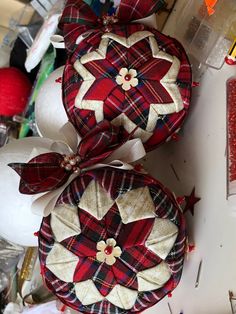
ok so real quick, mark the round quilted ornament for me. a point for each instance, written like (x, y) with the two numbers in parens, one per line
(114, 243)
(134, 77)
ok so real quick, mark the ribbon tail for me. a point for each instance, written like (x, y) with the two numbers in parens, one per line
(130, 151)
(71, 136)
(44, 203)
(117, 164)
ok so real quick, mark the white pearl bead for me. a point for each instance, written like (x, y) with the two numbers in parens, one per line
(66, 159)
(73, 162)
(77, 171)
(68, 167)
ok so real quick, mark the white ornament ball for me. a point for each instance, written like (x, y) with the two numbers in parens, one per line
(50, 114)
(17, 222)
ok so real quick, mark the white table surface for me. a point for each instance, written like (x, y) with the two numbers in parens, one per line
(199, 160)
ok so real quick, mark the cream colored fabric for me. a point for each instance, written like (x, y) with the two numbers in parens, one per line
(96, 106)
(157, 53)
(65, 222)
(136, 204)
(98, 54)
(131, 40)
(155, 111)
(153, 278)
(122, 297)
(123, 120)
(62, 263)
(169, 82)
(88, 80)
(96, 200)
(87, 292)
(162, 237)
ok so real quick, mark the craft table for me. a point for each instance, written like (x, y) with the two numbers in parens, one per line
(198, 160)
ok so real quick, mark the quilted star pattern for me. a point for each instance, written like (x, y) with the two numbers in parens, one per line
(136, 78)
(150, 238)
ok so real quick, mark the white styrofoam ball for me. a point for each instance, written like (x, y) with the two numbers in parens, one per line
(50, 114)
(17, 222)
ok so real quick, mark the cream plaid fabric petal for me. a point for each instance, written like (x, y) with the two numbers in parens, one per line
(95, 200)
(162, 238)
(62, 263)
(65, 222)
(122, 297)
(136, 204)
(153, 278)
(87, 292)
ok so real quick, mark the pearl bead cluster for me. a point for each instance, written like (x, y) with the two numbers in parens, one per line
(70, 163)
(109, 19)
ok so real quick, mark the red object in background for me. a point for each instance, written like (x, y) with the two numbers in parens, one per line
(15, 90)
(231, 130)
(229, 61)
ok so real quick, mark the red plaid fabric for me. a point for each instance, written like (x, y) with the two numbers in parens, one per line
(78, 17)
(130, 237)
(134, 103)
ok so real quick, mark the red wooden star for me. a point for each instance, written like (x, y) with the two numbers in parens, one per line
(191, 200)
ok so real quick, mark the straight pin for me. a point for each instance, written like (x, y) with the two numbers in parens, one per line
(175, 173)
(198, 274)
(170, 308)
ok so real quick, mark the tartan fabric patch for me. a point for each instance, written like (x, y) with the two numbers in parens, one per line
(94, 88)
(132, 237)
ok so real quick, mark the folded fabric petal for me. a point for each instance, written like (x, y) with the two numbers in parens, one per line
(98, 144)
(153, 278)
(41, 173)
(65, 222)
(62, 263)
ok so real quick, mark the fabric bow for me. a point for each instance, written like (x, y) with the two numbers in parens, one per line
(49, 173)
(79, 18)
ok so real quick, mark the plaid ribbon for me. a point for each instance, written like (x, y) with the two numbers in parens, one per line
(45, 172)
(131, 237)
(78, 17)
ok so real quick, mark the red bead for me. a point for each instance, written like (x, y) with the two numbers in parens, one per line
(58, 80)
(195, 84)
(175, 137)
(128, 77)
(180, 199)
(191, 248)
(108, 250)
